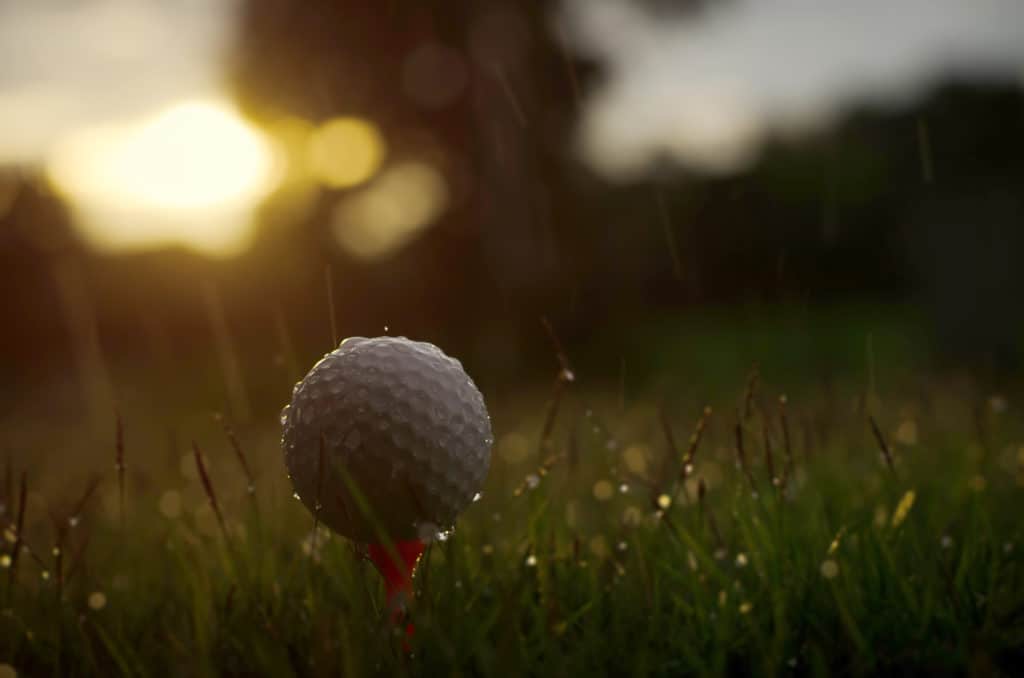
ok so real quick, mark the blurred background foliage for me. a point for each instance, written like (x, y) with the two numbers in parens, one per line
(428, 181)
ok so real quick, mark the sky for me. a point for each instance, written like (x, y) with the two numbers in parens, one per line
(65, 64)
(121, 105)
(707, 89)
(117, 102)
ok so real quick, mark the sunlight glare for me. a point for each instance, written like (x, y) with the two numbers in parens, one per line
(191, 175)
(345, 152)
(390, 212)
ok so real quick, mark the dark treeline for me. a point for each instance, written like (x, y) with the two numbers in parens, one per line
(921, 205)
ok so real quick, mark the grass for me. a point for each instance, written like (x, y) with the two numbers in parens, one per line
(639, 536)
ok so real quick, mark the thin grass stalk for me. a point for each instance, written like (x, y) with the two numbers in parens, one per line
(882, 445)
(19, 527)
(666, 429)
(787, 469)
(331, 311)
(707, 513)
(119, 467)
(741, 455)
(319, 491)
(284, 340)
(695, 438)
(58, 561)
(8, 484)
(564, 377)
(79, 557)
(769, 457)
(227, 354)
(208, 488)
(236, 447)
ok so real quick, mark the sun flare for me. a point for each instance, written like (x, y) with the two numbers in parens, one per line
(191, 175)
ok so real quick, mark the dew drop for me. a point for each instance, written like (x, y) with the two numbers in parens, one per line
(477, 497)
(73, 521)
(97, 600)
(531, 560)
(251, 488)
(426, 531)
(688, 469)
(284, 414)
(623, 488)
(296, 495)
(532, 481)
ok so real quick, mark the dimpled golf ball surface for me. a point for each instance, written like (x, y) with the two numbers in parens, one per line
(402, 423)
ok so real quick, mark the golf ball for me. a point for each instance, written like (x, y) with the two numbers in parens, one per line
(386, 436)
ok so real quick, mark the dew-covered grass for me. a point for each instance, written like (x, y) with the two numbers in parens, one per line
(651, 532)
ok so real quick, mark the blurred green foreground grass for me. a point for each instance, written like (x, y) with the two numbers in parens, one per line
(624, 530)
